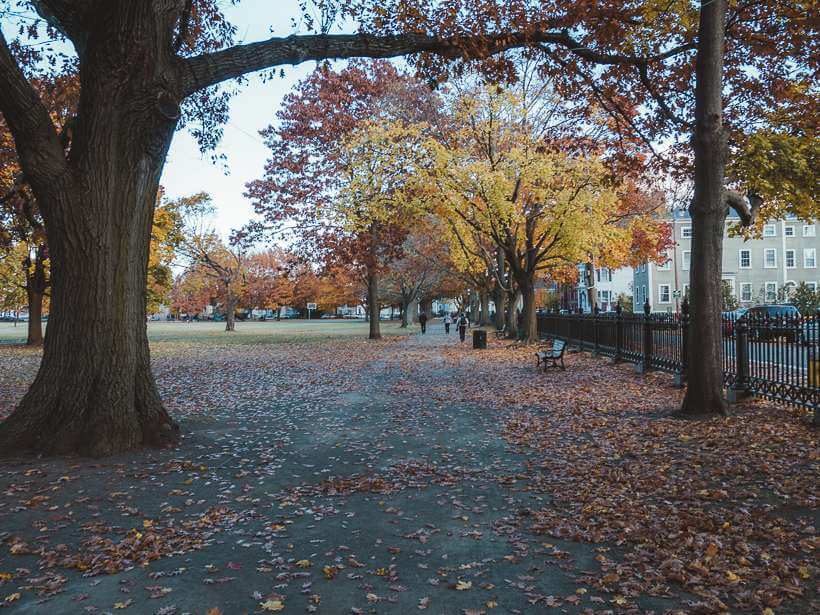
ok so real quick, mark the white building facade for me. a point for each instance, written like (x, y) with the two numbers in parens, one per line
(761, 270)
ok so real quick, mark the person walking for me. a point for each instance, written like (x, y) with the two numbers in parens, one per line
(462, 324)
(448, 320)
(423, 322)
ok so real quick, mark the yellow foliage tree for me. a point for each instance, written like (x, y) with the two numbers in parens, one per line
(381, 197)
(540, 206)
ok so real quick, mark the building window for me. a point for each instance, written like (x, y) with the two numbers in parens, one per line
(790, 259)
(788, 231)
(664, 294)
(745, 259)
(770, 258)
(667, 264)
(746, 291)
(686, 258)
(686, 291)
(812, 286)
(809, 258)
(809, 230)
(771, 292)
(686, 232)
(769, 230)
(605, 300)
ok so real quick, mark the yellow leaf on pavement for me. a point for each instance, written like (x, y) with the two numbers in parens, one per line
(272, 606)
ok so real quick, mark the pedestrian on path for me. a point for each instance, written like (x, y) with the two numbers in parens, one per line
(462, 324)
(448, 320)
(423, 322)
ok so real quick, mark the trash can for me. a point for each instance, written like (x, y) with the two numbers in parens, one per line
(479, 338)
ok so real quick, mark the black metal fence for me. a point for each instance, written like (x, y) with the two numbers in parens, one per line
(777, 358)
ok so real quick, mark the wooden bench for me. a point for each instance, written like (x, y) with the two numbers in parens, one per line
(551, 357)
(499, 333)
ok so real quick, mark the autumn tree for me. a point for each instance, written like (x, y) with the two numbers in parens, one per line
(516, 193)
(192, 292)
(167, 235)
(423, 268)
(206, 252)
(268, 279)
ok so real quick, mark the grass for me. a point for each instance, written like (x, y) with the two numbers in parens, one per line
(270, 332)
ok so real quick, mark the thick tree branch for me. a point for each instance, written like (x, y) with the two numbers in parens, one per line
(746, 210)
(35, 137)
(184, 24)
(211, 68)
(67, 16)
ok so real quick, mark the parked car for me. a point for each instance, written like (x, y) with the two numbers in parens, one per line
(767, 322)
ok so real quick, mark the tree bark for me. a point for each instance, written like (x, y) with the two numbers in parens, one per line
(512, 320)
(475, 305)
(412, 312)
(500, 307)
(484, 296)
(94, 393)
(36, 286)
(704, 393)
(529, 334)
(405, 312)
(35, 318)
(373, 303)
(589, 278)
(427, 307)
(230, 311)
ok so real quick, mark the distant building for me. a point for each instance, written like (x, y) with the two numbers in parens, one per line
(609, 284)
(757, 271)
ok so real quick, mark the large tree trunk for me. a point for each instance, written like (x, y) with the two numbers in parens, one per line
(528, 323)
(475, 305)
(412, 312)
(35, 318)
(427, 307)
(230, 311)
(95, 393)
(704, 394)
(500, 307)
(512, 320)
(405, 311)
(589, 278)
(36, 286)
(484, 296)
(373, 303)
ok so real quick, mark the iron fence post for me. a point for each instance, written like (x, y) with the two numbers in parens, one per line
(619, 333)
(595, 344)
(646, 363)
(740, 389)
(680, 376)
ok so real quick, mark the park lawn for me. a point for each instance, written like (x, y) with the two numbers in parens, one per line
(268, 332)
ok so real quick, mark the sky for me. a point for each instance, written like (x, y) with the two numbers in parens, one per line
(187, 171)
